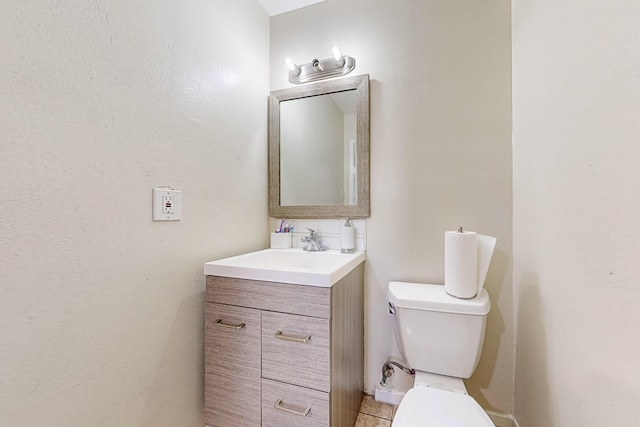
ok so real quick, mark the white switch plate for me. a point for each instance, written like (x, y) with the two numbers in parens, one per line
(167, 204)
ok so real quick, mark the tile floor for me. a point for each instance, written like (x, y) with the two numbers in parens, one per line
(375, 414)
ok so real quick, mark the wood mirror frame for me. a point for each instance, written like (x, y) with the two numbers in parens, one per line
(360, 210)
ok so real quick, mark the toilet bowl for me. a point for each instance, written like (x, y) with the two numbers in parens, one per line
(441, 337)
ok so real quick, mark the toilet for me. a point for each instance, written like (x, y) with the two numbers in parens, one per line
(441, 338)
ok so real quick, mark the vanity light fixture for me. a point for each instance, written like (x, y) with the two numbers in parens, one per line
(339, 65)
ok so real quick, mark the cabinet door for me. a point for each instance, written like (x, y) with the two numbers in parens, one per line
(295, 350)
(232, 366)
(286, 405)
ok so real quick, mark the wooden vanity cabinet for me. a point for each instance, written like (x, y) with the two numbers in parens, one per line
(232, 365)
(283, 355)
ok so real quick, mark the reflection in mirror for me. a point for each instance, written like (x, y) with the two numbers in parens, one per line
(319, 150)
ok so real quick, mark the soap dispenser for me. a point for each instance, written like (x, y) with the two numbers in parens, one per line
(348, 237)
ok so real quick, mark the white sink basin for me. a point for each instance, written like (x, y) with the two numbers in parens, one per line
(287, 266)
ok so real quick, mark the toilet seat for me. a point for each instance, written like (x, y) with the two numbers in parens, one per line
(432, 407)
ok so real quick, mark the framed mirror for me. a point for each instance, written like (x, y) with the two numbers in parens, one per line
(319, 150)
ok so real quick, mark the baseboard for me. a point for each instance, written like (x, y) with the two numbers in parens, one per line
(387, 395)
(502, 420)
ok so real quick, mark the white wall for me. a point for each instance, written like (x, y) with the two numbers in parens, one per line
(440, 149)
(101, 318)
(576, 92)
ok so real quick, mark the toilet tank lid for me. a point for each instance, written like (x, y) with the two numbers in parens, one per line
(421, 296)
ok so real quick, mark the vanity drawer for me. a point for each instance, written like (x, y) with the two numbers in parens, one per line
(286, 405)
(312, 301)
(295, 350)
(232, 366)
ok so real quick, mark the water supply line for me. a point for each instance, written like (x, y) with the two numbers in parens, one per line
(388, 371)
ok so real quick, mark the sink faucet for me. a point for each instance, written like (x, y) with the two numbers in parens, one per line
(312, 242)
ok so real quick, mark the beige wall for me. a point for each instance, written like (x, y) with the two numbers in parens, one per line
(576, 92)
(440, 149)
(101, 308)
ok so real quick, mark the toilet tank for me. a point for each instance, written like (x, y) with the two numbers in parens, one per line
(436, 332)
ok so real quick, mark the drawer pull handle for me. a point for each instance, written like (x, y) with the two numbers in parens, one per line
(280, 407)
(294, 338)
(228, 325)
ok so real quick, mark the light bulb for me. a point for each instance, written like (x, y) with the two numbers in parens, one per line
(338, 56)
(293, 67)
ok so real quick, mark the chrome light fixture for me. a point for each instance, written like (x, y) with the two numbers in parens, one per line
(339, 65)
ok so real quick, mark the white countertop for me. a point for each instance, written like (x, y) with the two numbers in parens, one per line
(288, 266)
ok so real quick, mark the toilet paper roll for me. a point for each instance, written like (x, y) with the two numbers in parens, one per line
(467, 256)
(461, 263)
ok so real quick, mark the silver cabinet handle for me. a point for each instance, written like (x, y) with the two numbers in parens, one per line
(220, 323)
(303, 413)
(294, 338)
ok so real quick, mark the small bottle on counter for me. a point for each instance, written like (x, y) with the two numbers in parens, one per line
(348, 237)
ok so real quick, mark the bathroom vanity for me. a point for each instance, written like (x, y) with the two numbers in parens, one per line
(284, 339)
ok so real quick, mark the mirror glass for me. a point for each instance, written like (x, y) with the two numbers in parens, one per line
(319, 150)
